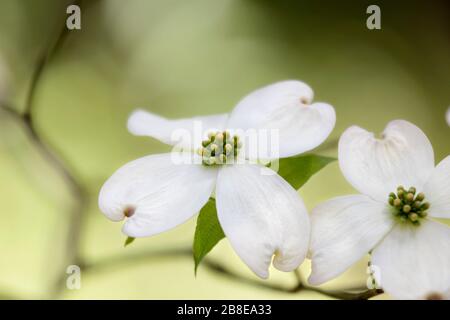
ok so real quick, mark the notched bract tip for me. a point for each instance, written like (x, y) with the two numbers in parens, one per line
(129, 211)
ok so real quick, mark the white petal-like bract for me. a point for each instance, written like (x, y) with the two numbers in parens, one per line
(156, 193)
(375, 167)
(437, 190)
(186, 133)
(286, 107)
(343, 230)
(262, 216)
(414, 262)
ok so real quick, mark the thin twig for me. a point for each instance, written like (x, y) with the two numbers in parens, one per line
(56, 160)
(338, 294)
(152, 255)
(43, 60)
(73, 240)
(131, 258)
(77, 212)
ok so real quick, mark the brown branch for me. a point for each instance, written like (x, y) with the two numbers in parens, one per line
(55, 158)
(299, 287)
(143, 256)
(131, 258)
(43, 60)
(60, 165)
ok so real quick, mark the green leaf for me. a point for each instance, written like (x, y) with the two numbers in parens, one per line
(128, 241)
(298, 170)
(207, 233)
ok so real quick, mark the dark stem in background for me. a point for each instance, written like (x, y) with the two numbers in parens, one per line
(78, 212)
(76, 189)
(44, 59)
(55, 159)
(123, 261)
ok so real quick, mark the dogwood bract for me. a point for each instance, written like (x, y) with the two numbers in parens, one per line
(261, 215)
(401, 193)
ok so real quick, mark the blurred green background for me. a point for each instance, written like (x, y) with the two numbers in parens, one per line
(179, 59)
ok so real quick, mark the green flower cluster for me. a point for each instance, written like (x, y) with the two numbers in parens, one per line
(220, 148)
(408, 205)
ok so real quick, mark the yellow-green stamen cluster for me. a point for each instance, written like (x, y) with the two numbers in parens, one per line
(219, 148)
(408, 206)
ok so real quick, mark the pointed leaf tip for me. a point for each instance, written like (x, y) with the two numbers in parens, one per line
(128, 241)
(298, 170)
(207, 233)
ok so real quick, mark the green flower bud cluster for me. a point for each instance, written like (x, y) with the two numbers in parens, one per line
(220, 148)
(408, 206)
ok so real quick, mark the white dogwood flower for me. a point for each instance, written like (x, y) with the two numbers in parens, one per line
(393, 218)
(261, 215)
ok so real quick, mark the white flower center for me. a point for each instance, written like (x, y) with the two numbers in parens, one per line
(220, 148)
(408, 206)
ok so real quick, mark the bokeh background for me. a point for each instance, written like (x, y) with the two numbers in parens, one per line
(184, 58)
